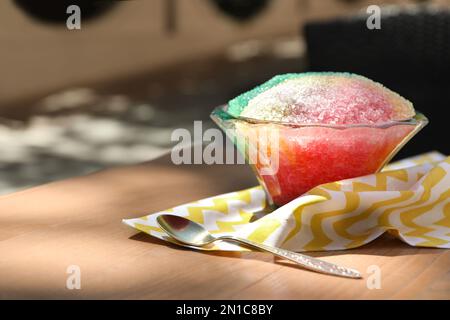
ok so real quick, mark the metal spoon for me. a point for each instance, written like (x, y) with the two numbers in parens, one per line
(191, 233)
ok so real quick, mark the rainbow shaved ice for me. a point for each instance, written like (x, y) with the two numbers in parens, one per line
(331, 126)
(329, 98)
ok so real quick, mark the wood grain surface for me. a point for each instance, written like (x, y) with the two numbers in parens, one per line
(44, 230)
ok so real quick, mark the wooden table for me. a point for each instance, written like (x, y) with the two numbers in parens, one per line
(46, 229)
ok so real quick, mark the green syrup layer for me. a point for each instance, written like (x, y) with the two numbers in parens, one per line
(238, 104)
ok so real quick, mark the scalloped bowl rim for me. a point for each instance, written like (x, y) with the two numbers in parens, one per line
(418, 119)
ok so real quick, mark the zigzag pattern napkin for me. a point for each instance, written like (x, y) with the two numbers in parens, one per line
(409, 198)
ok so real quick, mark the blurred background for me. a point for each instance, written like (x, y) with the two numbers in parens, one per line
(110, 93)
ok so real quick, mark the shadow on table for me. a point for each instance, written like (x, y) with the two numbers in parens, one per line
(143, 237)
(386, 245)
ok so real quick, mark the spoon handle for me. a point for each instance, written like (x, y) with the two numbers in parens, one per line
(301, 259)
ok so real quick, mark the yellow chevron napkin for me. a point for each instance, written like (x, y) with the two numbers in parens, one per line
(409, 198)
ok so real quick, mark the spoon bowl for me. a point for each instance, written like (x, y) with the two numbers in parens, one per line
(185, 230)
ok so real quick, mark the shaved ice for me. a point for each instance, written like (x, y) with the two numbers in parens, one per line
(330, 126)
(327, 98)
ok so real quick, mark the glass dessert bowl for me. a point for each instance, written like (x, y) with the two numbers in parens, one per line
(289, 159)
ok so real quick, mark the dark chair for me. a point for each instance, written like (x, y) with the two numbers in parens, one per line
(410, 54)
